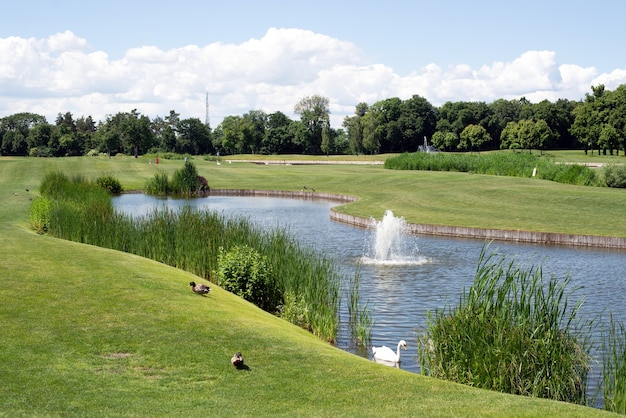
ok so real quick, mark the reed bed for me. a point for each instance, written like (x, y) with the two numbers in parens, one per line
(191, 240)
(511, 332)
(515, 164)
(614, 368)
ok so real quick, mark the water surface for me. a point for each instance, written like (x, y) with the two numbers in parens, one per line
(433, 274)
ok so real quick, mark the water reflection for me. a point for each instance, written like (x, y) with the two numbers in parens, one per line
(400, 295)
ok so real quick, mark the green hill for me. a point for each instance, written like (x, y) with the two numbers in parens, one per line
(88, 331)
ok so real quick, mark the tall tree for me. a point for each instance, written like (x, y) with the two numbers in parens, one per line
(473, 136)
(194, 137)
(418, 119)
(314, 113)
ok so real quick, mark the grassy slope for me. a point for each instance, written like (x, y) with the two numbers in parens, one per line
(92, 332)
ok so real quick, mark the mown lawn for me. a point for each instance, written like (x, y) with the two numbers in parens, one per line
(88, 331)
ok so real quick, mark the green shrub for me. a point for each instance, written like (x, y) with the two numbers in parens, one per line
(615, 175)
(295, 310)
(39, 215)
(246, 273)
(110, 184)
(512, 333)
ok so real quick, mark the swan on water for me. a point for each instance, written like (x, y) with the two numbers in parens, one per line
(385, 353)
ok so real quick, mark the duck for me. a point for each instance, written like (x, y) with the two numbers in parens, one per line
(237, 360)
(200, 289)
(385, 353)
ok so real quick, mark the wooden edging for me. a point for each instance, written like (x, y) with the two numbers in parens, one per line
(546, 238)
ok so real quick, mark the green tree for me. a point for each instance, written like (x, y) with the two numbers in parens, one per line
(314, 113)
(194, 137)
(371, 133)
(509, 138)
(528, 134)
(354, 128)
(277, 134)
(588, 119)
(14, 130)
(418, 119)
(608, 139)
(328, 144)
(501, 112)
(445, 140)
(544, 135)
(473, 136)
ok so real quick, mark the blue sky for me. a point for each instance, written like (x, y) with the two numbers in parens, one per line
(101, 58)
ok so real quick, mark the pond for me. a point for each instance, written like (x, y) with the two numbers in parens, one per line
(425, 273)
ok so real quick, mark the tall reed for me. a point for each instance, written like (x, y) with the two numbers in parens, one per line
(361, 321)
(515, 164)
(510, 332)
(190, 240)
(614, 368)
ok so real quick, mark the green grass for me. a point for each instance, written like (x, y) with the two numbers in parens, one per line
(88, 331)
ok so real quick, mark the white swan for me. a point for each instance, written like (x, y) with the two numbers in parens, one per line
(385, 353)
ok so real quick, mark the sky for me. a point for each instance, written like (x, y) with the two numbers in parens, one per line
(100, 58)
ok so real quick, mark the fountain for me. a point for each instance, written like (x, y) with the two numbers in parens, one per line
(389, 247)
(426, 147)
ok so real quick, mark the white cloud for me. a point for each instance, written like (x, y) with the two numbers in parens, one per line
(61, 73)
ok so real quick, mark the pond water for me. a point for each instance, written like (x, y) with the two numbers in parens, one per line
(428, 273)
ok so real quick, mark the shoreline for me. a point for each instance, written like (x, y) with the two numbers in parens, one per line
(509, 235)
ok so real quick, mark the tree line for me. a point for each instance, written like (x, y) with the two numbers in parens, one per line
(595, 123)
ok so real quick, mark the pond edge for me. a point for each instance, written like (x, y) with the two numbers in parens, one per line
(546, 238)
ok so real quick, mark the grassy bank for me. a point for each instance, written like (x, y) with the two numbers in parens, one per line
(93, 332)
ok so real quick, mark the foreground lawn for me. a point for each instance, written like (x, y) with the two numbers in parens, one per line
(88, 331)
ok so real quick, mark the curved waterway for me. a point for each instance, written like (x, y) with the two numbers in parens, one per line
(424, 273)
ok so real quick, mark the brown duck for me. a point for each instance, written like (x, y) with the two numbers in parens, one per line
(237, 360)
(200, 288)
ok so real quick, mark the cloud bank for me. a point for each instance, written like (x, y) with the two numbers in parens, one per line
(62, 73)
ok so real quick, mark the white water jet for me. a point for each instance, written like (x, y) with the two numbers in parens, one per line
(389, 245)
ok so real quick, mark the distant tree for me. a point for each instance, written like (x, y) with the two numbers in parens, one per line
(589, 119)
(445, 140)
(608, 139)
(544, 135)
(528, 134)
(39, 140)
(277, 134)
(328, 144)
(616, 103)
(473, 136)
(418, 119)
(314, 113)
(509, 138)
(14, 130)
(501, 112)
(253, 125)
(371, 133)
(354, 128)
(194, 137)
(85, 130)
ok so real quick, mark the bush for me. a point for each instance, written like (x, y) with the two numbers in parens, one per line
(295, 310)
(246, 273)
(39, 215)
(110, 184)
(615, 176)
